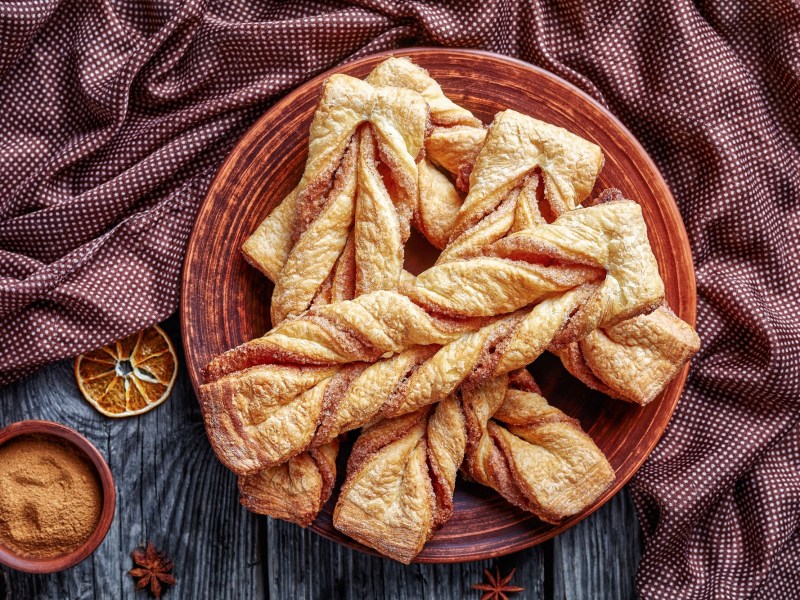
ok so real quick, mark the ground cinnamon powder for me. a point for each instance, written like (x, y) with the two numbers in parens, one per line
(50, 496)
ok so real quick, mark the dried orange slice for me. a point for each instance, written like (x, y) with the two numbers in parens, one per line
(131, 376)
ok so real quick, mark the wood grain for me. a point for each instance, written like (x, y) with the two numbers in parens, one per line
(607, 555)
(225, 302)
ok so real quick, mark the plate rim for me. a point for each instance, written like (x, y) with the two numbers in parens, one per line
(681, 237)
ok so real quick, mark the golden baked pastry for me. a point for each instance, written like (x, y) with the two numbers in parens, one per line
(534, 455)
(456, 135)
(455, 150)
(517, 271)
(362, 329)
(388, 323)
(400, 480)
(295, 490)
(354, 202)
(635, 359)
(525, 168)
(267, 249)
(524, 336)
(439, 203)
(424, 370)
(453, 144)
(275, 490)
(345, 225)
(640, 357)
(401, 476)
(260, 417)
(609, 238)
(397, 71)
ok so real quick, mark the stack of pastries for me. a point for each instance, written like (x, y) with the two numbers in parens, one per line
(432, 368)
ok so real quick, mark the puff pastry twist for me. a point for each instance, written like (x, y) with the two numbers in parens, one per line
(454, 140)
(401, 474)
(255, 422)
(316, 217)
(354, 202)
(339, 234)
(400, 479)
(527, 174)
(535, 456)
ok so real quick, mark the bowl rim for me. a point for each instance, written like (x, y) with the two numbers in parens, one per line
(70, 559)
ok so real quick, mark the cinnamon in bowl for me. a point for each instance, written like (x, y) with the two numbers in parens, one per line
(56, 497)
(50, 497)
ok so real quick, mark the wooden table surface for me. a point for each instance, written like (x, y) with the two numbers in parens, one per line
(172, 490)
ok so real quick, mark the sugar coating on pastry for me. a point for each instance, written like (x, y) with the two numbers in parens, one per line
(516, 147)
(401, 72)
(332, 245)
(262, 416)
(345, 225)
(453, 143)
(558, 308)
(609, 238)
(425, 368)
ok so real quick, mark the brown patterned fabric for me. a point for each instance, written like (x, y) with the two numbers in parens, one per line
(116, 113)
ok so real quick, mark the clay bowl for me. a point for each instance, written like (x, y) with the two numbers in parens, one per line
(225, 301)
(84, 446)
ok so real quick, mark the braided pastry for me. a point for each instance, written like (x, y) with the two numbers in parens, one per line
(400, 480)
(517, 271)
(528, 173)
(423, 370)
(518, 332)
(630, 360)
(454, 141)
(534, 455)
(297, 489)
(354, 202)
(540, 461)
(401, 474)
(388, 323)
(635, 359)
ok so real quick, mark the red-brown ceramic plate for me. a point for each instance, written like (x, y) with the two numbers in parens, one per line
(225, 302)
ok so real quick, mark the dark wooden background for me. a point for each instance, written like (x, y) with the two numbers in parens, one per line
(172, 490)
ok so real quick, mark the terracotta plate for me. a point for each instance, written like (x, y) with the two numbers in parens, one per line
(225, 302)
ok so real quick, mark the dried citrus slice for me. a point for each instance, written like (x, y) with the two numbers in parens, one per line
(128, 377)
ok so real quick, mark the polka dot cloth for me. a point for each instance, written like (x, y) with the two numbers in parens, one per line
(116, 115)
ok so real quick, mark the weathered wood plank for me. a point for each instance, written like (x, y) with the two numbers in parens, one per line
(170, 489)
(598, 557)
(305, 566)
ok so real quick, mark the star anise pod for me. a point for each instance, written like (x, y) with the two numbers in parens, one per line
(153, 569)
(497, 587)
